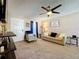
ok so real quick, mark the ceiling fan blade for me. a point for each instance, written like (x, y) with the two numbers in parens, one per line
(45, 8)
(56, 12)
(56, 7)
(42, 13)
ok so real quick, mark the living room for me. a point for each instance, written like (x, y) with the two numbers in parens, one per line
(28, 16)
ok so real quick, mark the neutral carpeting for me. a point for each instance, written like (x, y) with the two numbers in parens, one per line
(41, 49)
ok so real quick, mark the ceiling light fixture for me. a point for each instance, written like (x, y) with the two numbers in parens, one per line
(49, 13)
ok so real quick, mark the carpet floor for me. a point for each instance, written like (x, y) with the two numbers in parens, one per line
(41, 49)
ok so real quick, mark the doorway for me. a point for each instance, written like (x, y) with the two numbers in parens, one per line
(37, 29)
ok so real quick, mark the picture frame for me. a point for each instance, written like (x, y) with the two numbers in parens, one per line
(55, 23)
(27, 25)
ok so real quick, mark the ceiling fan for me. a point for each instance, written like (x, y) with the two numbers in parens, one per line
(51, 10)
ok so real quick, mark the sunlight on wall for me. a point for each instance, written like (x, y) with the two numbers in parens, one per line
(45, 27)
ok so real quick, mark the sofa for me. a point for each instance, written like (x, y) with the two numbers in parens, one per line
(54, 37)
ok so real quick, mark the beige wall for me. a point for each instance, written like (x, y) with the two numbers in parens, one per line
(69, 24)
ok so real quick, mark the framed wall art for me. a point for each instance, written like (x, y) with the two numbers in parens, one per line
(55, 23)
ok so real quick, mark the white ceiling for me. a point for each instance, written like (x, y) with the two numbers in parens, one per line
(32, 8)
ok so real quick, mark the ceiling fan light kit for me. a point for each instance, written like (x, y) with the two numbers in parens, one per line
(49, 13)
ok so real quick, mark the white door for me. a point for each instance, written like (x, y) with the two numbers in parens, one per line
(17, 26)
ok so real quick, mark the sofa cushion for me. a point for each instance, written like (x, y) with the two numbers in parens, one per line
(58, 34)
(53, 34)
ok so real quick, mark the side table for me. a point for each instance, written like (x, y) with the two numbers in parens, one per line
(71, 38)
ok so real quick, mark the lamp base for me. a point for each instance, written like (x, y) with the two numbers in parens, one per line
(4, 29)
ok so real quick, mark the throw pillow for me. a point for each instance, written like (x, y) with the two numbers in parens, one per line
(53, 34)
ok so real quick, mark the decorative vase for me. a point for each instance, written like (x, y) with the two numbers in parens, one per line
(3, 28)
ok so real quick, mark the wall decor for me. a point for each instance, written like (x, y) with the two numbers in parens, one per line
(27, 25)
(55, 23)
